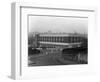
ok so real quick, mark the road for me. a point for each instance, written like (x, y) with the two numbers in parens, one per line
(48, 59)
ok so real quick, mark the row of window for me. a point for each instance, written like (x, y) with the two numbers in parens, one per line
(60, 39)
(51, 46)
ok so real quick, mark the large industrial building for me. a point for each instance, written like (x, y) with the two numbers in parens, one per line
(59, 40)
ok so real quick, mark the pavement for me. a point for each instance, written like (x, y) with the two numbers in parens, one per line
(46, 59)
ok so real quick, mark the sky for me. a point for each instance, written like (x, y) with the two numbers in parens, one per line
(58, 24)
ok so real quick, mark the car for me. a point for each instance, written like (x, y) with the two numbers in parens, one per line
(32, 51)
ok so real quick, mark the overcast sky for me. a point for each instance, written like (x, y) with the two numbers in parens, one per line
(58, 24)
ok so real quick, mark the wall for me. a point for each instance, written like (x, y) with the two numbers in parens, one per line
(5, 40)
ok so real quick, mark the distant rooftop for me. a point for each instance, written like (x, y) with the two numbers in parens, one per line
(59, 34)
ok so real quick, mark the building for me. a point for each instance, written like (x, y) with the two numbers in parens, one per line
(59, 40)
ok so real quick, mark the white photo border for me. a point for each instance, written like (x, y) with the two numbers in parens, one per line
(17, 19)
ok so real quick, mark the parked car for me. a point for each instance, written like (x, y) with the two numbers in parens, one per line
(32, 51)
